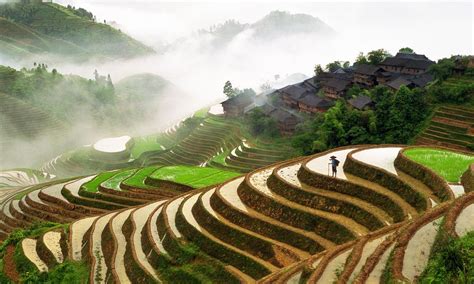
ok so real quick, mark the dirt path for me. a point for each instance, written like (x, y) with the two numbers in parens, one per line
(9, 267)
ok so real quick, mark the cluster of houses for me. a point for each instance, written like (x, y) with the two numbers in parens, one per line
(319, 93)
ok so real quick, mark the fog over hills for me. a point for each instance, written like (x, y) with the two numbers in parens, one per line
(202, 45)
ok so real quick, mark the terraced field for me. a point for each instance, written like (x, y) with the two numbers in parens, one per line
(285, 223)
(20, 120)
(215, 142)
(451, 127)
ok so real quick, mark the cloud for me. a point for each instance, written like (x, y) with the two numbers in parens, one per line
(192, 63)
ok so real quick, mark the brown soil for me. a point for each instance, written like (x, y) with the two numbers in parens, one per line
(9, 267)
(450, 121)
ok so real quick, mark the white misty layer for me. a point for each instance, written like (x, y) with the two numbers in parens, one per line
(216, 109)
(112, 145)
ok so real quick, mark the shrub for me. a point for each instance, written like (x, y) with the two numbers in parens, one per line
(452, 263)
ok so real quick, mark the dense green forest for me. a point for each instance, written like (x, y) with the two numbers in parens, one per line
(74, 99)
(396, 117)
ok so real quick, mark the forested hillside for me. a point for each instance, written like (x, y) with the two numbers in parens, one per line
(49, 28)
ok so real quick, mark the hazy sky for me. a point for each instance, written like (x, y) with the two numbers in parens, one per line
(437, 29)
(432, 27)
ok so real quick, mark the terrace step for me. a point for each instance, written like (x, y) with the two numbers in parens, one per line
(28, 247)
(227, 203)
(228, 232)
(79, 233)
(288, 173)
(118, 263)
(53, 195)
(257, 183)
(414, 244)
(240, 259)
(100, 271)
(139, 219)
(52, 240)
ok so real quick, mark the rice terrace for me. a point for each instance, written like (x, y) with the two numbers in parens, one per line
(172, 142)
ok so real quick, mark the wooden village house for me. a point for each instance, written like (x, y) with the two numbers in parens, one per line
(237, 106)
(406, 63)
(313, 104)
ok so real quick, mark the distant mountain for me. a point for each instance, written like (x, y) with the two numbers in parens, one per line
(141, 86)
(279, 23)
(275, 25)
(52, 29)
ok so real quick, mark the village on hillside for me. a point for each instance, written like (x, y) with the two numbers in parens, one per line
(319, 93)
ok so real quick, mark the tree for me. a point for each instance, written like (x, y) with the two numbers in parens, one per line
(246, 92)
(333, 66)
(262, 125)
(443, 69)
(354, 91)
(346, 64)
(361, 59)
(265, 87)
(229, 90)
(376, 56)
(408, 110)
(406, 50)
(318, 70)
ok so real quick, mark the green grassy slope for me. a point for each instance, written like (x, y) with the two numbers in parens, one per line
(52, 28)
(449, 165)
(193, 176)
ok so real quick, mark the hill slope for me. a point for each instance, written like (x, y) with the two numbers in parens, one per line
(288, 220)
(53, 29)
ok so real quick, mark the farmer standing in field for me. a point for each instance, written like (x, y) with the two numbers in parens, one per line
(334, 162)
